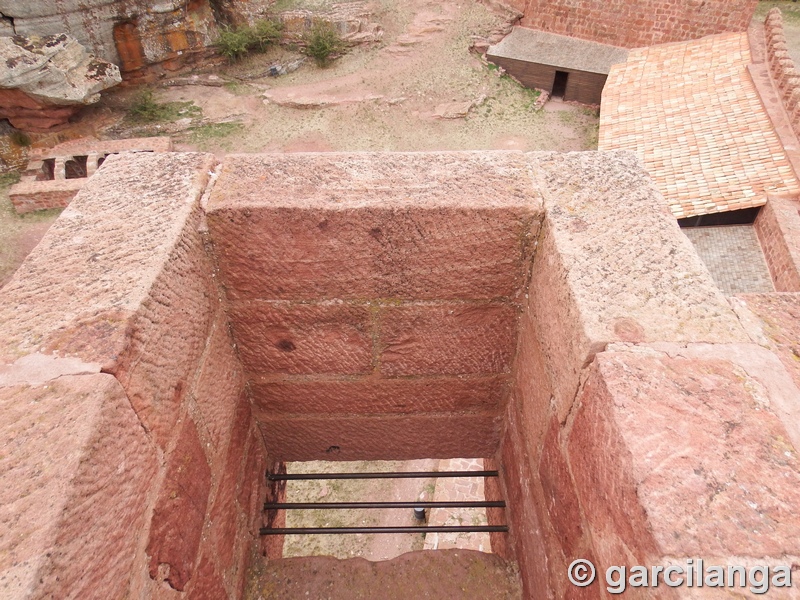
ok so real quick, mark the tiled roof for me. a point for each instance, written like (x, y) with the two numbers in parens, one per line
(691, 113)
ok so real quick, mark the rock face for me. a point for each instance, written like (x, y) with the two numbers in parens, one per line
(44, 80)
(132, 34)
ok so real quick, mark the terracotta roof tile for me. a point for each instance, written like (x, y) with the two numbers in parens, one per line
(692, 114)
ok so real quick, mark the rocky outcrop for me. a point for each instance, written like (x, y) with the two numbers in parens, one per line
(133, 34)
(45, 80)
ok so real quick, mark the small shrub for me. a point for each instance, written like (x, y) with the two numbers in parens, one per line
(265, 33)
(20, 138)
(323, 43)
(145, 109)
(9, 179)
(234, 44)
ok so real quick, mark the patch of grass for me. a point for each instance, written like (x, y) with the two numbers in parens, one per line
(9, 179)
(145, 109)
(215, 131)
(323, 43)
(234, 43)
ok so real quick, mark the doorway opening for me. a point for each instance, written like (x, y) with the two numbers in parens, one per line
(560, 84)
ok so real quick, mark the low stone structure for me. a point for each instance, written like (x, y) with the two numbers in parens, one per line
(54, 175)
(566, 67)
(186, 325)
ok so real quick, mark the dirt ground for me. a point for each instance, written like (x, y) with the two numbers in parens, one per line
(369, 546)
(382, 96)
(19, 234)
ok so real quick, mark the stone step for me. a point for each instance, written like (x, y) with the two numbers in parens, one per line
(447, 574)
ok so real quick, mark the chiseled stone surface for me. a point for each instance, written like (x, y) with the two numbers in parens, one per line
(140, 306)
(778, 325)
(360, 226)
(447, 339)
(177, 525)
(303, 338)
(682, 457)
(369, 395)
(79, 286)
(75, 469)
(612, 265)
(386, 437)
(219, 385)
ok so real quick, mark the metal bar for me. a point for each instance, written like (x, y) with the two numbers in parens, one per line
(388, 475)
(417, 504)
(341, 530)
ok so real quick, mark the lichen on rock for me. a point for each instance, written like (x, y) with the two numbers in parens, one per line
(45, 79)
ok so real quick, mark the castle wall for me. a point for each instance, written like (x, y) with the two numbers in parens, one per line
(160, 493)
(636, 24)
(605, 451)
(778, 230)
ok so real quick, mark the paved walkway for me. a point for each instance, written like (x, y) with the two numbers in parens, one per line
(733, 255)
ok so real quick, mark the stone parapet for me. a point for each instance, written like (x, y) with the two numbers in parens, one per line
(785, 76)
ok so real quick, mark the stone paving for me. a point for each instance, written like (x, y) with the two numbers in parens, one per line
(733, 255)
(461, 490)
(692, 114)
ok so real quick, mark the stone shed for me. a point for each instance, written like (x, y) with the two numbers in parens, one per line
(566, 67)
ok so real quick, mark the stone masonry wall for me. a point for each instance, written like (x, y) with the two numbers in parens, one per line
(782, 69)
(778, 230)
(541, 310)
(636, 24)
(133, 334)
(637, 404)
(374, 298)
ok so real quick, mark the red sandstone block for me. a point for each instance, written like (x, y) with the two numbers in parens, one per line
(525, 525)
(381, 438)
(225, 516)
(178, 518)
(207, 583)
(563, 510)
(317, 253)
(303, 338)
(531, 390)
(357, 226)
(682, 457)
(780, 323)
(168, 334)
(252, 489)
(217, 390)
(424, 339)
(370, 395)
(74, 477)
